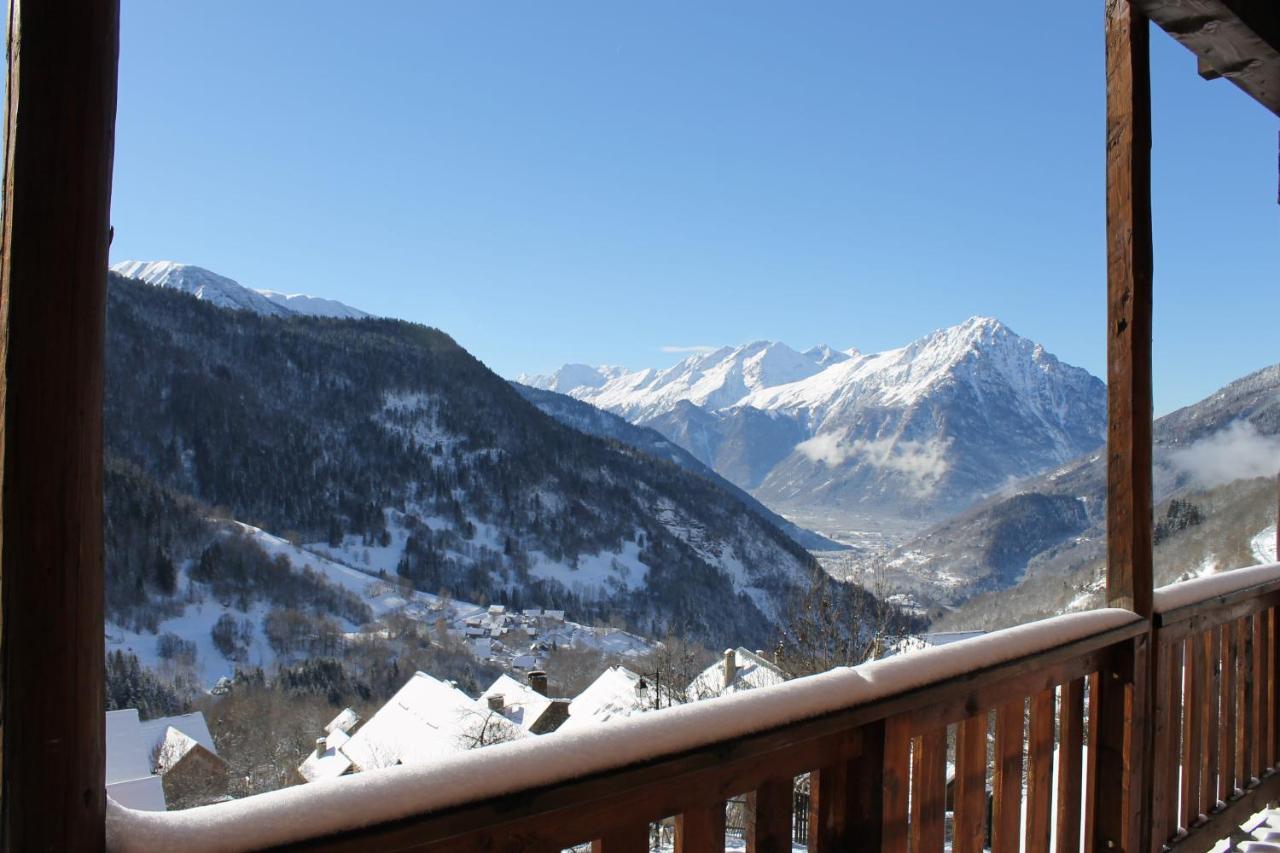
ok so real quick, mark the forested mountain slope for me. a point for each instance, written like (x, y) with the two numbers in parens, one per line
(344, 431)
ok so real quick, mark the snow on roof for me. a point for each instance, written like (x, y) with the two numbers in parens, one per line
(309, 811)
(173, 748)
(191, 725)
(424, 722)
(750, 671)
(1189, 592)
(941, 638)
(521, 704)
(145, 793)
(128, 752)
(344, 722)
(329, 764)
(611, 696)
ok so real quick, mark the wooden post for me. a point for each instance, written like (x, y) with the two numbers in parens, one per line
(1121, 806)
(1125, 740)
(769, 810)
(60, 131)
(1129, 269)
(700, 829)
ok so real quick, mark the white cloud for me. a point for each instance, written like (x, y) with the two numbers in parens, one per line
(1236, 452)
(922, 462)
(692, 348)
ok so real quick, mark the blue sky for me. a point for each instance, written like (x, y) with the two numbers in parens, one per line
(594, 181)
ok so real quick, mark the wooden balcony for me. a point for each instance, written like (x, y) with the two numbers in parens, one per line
(1038, 723)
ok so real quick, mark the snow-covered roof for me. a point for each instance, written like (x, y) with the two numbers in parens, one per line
(344, 722)
(128, 752)
(750, 671)
(132, 742)
(611, 696)
(192, 725)
(173, 748)
(144, 794)
(521, 704)
(425, 721)
(329, 764)
(941, 638)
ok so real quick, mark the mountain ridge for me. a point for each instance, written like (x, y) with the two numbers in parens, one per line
(225, 292)
(909, 432)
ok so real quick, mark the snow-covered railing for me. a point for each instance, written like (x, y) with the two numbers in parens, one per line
(873, 739)
(1215, 744)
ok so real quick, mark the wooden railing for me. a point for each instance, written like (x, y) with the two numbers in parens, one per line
(1099, 731)
(878, 774)
(1215, 739)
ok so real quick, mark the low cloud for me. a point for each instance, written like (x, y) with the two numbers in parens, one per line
(1235, 452)
(692, 348)
(922, 462)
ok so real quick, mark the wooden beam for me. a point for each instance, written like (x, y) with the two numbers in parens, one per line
(1129, 502)
(1236, 39)
(60, 132)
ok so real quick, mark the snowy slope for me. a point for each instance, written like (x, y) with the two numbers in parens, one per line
(227, 293)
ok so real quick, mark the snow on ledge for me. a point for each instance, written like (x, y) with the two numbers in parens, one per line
(1177, 595)
(377, 796)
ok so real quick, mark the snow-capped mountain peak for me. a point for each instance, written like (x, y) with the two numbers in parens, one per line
(936, 422)
(227, 293)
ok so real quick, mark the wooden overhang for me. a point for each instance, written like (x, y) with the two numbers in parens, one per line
(1235, 39)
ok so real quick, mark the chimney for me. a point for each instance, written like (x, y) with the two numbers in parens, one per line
(730, 666)
(496, 702)
(320, 746)
(538, 681)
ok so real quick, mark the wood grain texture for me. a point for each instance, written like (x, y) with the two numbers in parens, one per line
(1244, 639)
(1006, 814)
(897, 786)
(828, 808)
(867, 789)
(60, 132)
(1212, 642)
(1235, 39)
(1040, 771)
(630, 839)
(700, 828)
(1227, 749)
(1070, 765)
(1129, 263)
(929, 792)
(970, 822)
(769, 810)
(1165, 739)
(1192, 729)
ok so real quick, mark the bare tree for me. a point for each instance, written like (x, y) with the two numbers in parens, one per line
(486, 728)
(829, 623)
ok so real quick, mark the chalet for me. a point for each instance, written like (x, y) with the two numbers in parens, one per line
(527, 705)
(162, 760)
(425, 721)
(1177, 688)
(738, 670)
(616, 694)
